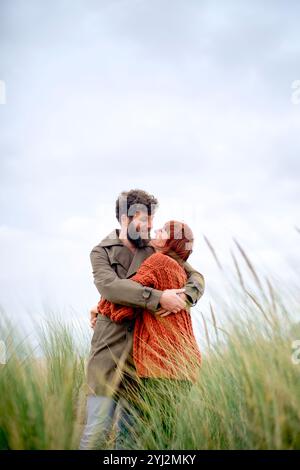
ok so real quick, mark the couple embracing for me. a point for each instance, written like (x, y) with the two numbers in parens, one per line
(142, 325)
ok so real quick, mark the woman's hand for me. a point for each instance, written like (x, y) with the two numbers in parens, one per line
(93, 318)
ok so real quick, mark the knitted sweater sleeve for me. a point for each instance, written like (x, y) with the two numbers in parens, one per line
(146, 275)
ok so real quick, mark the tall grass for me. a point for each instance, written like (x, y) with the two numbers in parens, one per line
(246, 396)
(40, 393)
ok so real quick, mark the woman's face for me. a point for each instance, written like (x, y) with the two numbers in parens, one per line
(161, 236)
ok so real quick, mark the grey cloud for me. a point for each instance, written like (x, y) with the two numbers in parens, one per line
(188, 99)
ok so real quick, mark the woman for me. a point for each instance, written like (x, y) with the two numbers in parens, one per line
(164, 347)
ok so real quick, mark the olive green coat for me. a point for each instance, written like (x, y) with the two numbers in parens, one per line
(111, 348)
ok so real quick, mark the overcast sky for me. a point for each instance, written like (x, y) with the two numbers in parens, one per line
(189, 100)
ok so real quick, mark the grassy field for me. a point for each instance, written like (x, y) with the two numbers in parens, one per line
(247, 395)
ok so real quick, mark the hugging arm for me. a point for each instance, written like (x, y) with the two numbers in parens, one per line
(121, 291)
(147, 278)
(195, 285)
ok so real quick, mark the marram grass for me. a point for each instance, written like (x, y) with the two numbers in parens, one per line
(246, 396)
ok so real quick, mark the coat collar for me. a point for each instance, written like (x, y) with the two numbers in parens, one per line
(121, 252)
(139, 256)
(112, 239)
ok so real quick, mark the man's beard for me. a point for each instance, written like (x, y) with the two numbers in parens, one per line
(138, 241)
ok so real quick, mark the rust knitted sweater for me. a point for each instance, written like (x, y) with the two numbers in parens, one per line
(162, 346)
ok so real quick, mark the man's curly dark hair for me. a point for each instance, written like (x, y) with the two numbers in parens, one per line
(129, 202)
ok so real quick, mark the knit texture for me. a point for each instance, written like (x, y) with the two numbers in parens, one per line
(162, 346)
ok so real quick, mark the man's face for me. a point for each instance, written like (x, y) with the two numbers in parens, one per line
(138, 230)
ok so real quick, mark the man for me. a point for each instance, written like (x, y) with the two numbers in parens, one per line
(110, 369)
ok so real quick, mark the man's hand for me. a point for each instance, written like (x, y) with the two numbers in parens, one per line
(93, 318)
(172, 301)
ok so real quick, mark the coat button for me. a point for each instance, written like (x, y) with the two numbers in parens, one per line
(146, 292)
